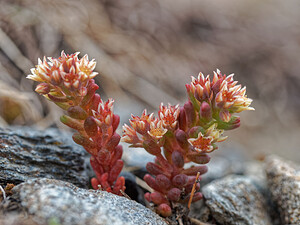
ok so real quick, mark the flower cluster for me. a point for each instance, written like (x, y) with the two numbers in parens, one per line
(68, 82)
(186, 134)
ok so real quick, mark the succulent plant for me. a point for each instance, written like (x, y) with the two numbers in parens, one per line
(68, 82)
(180, 135)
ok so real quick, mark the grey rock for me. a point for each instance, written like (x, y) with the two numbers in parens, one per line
(235, 200)
(27, 153)
(223, 165)
(47, 199)
(284, 183)
(256, 172)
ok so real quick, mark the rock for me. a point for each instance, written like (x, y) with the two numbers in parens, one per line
(46, 199)
(27, 153)
(235, 200)
(284, 183)
(222, 165)
(255, 171)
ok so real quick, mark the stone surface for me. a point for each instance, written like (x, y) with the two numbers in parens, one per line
(235, 200)
(27, 153)
(47, 199)
(284, 183)
(256, 172)
(224, 162)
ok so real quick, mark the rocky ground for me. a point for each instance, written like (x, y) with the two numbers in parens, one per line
(47, 177)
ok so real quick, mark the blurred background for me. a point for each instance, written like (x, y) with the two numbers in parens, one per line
(146, 52)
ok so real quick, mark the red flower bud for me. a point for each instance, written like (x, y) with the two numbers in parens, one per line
(190, 113)
(91, 89)
(181, 138)
(177, 159)
(174, 194)
(225, 115)
(180, 180)
(194, 131)
(205, 111)
(116, 121)
(43, 88)
(95, 102)
(77, 112)
(182, 119)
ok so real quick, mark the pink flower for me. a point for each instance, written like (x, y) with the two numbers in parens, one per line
(169, 115)
(157, 131)
(104, 113)
(142, 124)
(202, 144)
(66, 72)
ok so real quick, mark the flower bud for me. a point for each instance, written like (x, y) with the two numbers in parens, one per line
(190, 113)
(181, 138)
(77, 112)
(182, 119)
(194, 131)
(177, 159)
(91, 89)
(164, 210)
(43, 88)
(234, 122)
(205, 111)
(180, 180)
(174, 194)
(116, 121)
(225, 116)
(95, 102)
